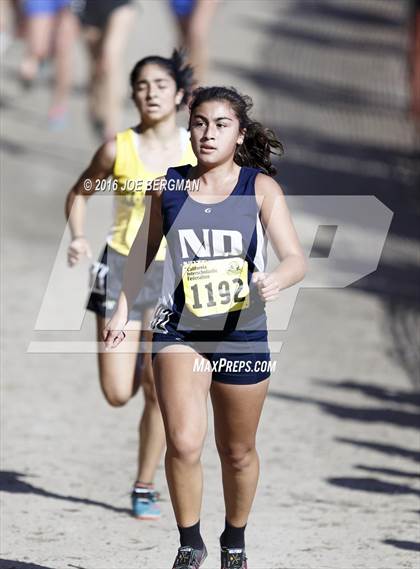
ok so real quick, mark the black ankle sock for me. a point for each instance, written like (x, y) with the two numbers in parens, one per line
(233, 537)
(191, 536)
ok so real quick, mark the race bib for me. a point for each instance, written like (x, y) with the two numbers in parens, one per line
(215, 286)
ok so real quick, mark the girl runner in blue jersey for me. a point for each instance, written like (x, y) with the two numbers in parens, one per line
(210, 329)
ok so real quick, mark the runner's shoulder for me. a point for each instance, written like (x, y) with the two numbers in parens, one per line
(266, 188)
(107, 153)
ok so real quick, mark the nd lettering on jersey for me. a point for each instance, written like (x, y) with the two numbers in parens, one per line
(214, 285)
(215, 243)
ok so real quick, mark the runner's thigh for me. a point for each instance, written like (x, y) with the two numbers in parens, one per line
(182, 394)
(237, 411)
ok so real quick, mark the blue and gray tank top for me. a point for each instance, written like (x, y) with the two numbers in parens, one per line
(213, 250)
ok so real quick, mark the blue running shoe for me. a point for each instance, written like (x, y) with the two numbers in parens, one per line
(144, 504)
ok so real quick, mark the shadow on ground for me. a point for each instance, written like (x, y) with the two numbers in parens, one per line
(383, 448)
(373, 485)
(387, 415)
(9, 564)
(394, 407)
(407, 545)
(381, 393)
(12, 482)
(388, 471)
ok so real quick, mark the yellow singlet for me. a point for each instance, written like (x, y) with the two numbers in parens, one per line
(132, 177)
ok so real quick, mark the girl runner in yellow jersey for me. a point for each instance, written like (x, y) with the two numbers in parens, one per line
(160, 86)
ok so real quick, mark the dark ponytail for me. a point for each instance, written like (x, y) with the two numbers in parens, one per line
(259, 142)
(177, 66)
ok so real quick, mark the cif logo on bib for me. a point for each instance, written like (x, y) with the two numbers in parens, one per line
(214, 286)
(215, 243)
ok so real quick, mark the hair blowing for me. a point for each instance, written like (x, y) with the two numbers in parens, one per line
(259, 142)
(177, 66)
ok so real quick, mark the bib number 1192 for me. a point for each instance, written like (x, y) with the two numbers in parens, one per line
(216, 286)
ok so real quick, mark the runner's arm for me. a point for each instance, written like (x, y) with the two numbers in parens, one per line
(100, 168)
(276, 219)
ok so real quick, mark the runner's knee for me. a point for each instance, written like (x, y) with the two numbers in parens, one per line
(115, 396)
(237, 456)
(184, 446)
(116, 399)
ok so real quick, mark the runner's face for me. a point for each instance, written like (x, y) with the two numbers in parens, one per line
(215, 132)
(155, 94)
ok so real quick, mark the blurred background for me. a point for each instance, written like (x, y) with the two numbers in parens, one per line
(339, 441)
